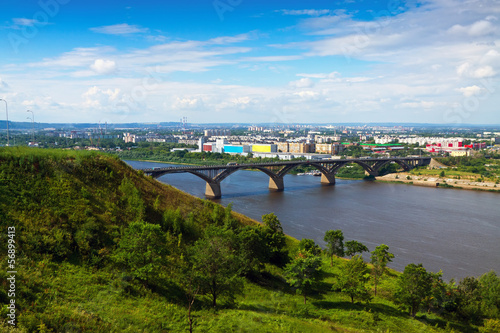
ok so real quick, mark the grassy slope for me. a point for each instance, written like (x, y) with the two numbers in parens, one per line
(68, 295)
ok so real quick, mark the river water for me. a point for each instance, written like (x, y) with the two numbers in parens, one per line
(456, 231)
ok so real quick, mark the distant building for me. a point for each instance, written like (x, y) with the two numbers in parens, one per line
(295, 147)
(264, 148)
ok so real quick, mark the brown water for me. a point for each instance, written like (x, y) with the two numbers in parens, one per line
(456, 231)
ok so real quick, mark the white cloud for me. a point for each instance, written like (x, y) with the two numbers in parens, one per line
(419, 105)
(468, 71)
(102, 66)
(478, 28)
(24, 22)
(302, 83)
(470, 91)
(97, 98)
(482, 72)
(320, 75)
(308, 12)
(119, 29)
(187, 103)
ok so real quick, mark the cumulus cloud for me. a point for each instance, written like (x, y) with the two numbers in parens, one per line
(96, 97)
(469, 71)
(120, 29)
(302, 83)
(102, 66)
(187, 103)
(478, 28)
(470, 91)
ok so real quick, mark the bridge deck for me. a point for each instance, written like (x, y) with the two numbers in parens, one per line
(280, 163)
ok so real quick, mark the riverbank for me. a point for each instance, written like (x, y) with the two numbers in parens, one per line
(433, 181)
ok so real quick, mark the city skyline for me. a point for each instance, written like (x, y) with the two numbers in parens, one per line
(251, 62)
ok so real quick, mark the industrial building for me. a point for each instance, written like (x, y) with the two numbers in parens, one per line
(264, 148)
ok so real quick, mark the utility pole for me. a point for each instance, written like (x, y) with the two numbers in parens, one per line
(7, 117)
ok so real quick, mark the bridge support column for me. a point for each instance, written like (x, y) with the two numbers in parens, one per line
(328, 179)
(276, 184)
(374, 174)
(212, 190)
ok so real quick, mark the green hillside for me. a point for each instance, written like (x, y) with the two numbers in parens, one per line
(99, 247)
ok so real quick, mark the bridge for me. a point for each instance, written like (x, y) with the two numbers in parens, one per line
(215, 174)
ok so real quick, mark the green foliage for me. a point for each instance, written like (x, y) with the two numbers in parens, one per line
(304, 273)
(134, 206)
(275, 239)
(309, 246)
(490, 326)
(380, 258)
(490, 291)
(353, 279)
(104, 249)
(271, 221)
(215, 265)
(414, 286)
(143, 250)
(334, 244)
(353, 247)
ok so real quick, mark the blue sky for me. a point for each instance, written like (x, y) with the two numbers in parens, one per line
(435, 61)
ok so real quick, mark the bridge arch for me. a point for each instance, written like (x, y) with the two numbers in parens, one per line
(226, 173)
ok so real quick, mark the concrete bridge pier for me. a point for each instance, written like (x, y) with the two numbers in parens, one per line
(328, 179)
(212, 190)
(276, 184)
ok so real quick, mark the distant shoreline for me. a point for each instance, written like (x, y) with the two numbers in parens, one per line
(439, 182)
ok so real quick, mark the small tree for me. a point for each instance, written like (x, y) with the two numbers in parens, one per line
(353, 247)
(489, 285)
(275, 239)
(143, 251)
(414, 286)
(379, 259)
(308, 245)
(353, 279)
(271, 221)
(215, 264)
(334, 244)
(304, 273)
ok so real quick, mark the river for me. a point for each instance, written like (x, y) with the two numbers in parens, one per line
(456, 231)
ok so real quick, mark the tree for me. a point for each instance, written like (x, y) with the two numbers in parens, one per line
(215, 264)
(353, 247)
(143, 251)
(414, 286)
(490, 291)
(275, 239)
(271, 221)
(380, 258)
(353, 279)
(304, 273)
(308, 245)
(334, 244)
